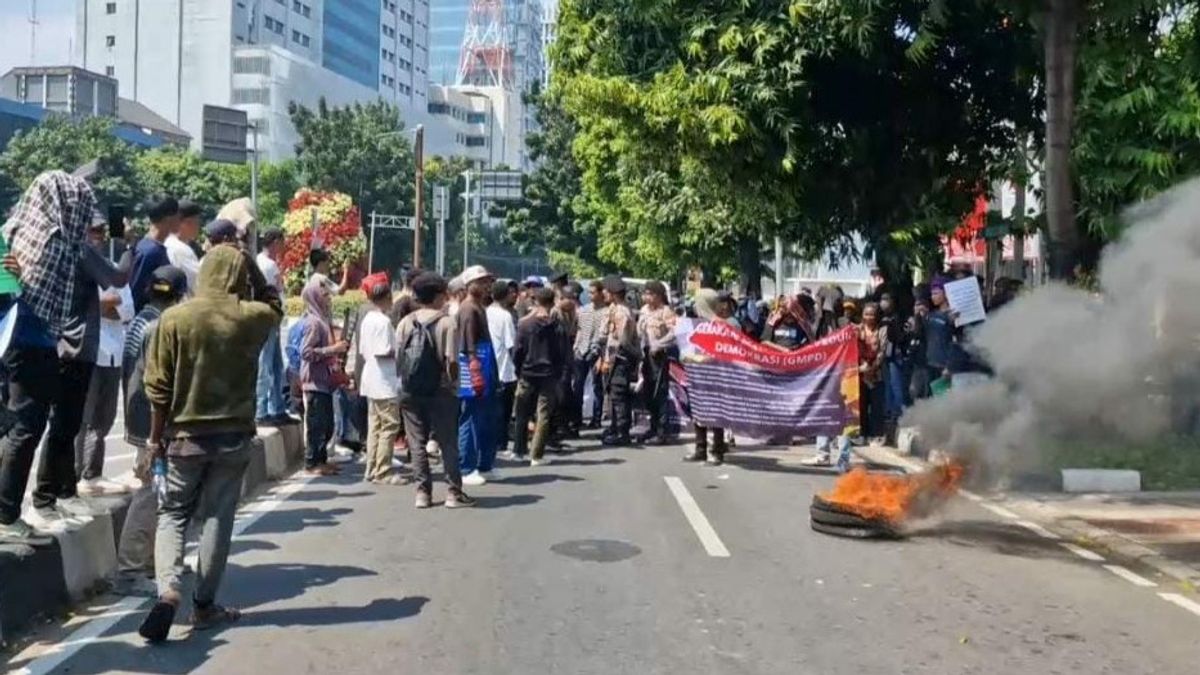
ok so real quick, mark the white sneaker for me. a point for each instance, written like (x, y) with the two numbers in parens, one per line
(819, 460)
(539, 462)
(47, 519)
(474, 479)
(101, 486)
(339, 458)
(492, 475)
(510, 456)
(131, 482)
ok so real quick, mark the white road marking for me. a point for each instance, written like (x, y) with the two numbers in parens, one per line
(1000, 511)
(92, 629)
(1038, 530)
(1186, 603)
(1082, 552)
(970, 495)
(691, 510)
(1130, 576)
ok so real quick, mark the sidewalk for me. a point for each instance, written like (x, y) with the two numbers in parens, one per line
(1158, 530)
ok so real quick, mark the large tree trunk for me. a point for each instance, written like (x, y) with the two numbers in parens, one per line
(1061, 45)
(750, 266)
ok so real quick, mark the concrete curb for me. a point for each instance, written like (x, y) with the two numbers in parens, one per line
(38, 581)
(1070, 529)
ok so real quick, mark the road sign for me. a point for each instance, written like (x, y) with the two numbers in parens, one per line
(224, 135)
(441, 199)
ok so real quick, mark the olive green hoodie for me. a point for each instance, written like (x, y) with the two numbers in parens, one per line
(202, 364)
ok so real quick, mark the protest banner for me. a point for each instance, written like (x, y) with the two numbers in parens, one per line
(738, 384)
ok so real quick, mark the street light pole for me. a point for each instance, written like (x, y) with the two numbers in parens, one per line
(254, 188)
(466, 218)
(419, 148)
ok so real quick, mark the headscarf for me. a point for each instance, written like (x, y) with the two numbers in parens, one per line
(706, 304)
(316, 302)
(45, 234)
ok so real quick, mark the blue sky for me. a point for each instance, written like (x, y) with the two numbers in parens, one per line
(56, 19)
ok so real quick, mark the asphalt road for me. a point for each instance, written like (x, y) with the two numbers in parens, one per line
(591, 565)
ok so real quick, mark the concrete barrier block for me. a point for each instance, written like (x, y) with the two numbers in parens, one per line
(275, 453)
(31, 585)
(293, 443)
(89, 554)
(256, 471)
(1101, 480)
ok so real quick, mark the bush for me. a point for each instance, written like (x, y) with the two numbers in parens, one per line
(1166, 464)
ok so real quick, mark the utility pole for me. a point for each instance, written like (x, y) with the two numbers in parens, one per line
(254, 188)
(33, 24)
(419, 149)
(467, 218)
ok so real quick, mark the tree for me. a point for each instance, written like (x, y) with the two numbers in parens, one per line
(547, 220)
(361, 150)
(706, 128)
(64, 144)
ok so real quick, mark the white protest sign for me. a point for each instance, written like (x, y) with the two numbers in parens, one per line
(964, 297)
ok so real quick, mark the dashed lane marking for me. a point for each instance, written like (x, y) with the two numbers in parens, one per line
(1186, 603)
(1082, 552)
(1038, 530)
(691, 510)
(1000, 511)
(1130, 576)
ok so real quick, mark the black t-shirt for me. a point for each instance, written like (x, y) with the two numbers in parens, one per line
(80, 338)
(788, 334)
(472, 325)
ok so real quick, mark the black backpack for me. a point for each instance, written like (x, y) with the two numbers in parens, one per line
(419, 364)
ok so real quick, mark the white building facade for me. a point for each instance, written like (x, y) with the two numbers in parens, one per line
(480, 123)
(176, 56)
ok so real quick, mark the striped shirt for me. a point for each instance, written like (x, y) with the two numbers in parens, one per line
(592, 333)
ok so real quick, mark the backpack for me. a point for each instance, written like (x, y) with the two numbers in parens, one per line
(295, 338)
(418, 361)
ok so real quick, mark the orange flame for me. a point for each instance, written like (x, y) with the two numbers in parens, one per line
(894, 498)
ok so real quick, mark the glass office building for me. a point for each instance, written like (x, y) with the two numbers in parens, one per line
(351, 39)
(447, 25)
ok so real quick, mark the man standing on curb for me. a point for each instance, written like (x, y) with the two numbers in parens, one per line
(200, 379)
(180, 243)
(476, 423)
(151, 252)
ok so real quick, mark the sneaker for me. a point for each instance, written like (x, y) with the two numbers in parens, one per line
(423, 501)
(20, 532)
(101, 486)
(342, 456)
(474, 479)
(819, 460)
(509, 456)
(492, 475)
(459, 500)
(539, 462)
(48, 518)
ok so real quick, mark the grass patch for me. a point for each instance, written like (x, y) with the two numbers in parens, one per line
(1166, 464)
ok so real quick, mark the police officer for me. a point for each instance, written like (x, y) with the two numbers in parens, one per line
(620, 365)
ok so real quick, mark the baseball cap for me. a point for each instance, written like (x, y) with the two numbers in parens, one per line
(168, 279)
(533, 282)
(475, 273)
(221, 230)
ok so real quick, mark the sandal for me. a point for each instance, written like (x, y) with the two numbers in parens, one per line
(157, 624)
(212, 616)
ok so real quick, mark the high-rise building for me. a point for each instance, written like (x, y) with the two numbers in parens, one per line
(175, 56)
(447, 26)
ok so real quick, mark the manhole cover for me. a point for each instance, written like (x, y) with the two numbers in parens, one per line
(596, 550)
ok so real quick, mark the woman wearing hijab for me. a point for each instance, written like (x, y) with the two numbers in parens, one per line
(318, 354)
(710, 306)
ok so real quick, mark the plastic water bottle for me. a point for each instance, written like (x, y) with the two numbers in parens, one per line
(158, 471)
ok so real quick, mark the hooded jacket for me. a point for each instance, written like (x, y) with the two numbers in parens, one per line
(541, 350)
(202, 364)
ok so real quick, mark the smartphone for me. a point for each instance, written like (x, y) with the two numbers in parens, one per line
(116, 222)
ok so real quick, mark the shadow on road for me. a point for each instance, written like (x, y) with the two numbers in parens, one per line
(296, 520)
(244, 545)
(322, 495)
(998, 537)
(505, 502)
(261, 584)
(588, 462)
(539, 479)
(176, 657)
(379, 610)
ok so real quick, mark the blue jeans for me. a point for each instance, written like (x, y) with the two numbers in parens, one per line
(896, 385)
(476, 434)
(270, 379)
(825, 447)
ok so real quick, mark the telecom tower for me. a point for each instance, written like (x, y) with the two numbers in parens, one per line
(487, 57)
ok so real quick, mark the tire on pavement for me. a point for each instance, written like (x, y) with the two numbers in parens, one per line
(848, 532)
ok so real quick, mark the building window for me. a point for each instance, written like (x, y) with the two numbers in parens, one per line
(110, 8)
(261, 96)
(389, 31)
(305, 40)
(110, 41)
(476, 141)
(438, 108)
(476, 118)
(109, 70)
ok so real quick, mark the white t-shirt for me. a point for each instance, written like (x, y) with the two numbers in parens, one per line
(377, 347)
(182, 256)
(325, 281)
(504, 340)
(270, 270)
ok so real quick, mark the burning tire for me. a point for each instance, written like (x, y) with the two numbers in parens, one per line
(829, 518)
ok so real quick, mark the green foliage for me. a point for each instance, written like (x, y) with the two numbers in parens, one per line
(703, 125)
(362, 150)
(1138, 114)
(63, 144)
